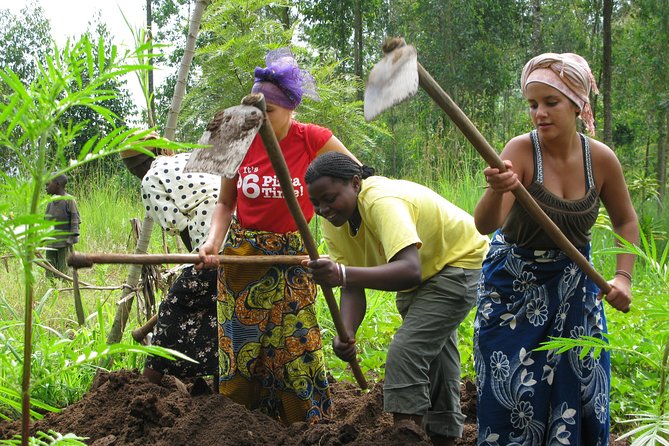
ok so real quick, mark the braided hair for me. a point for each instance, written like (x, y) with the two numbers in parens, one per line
(336, 165)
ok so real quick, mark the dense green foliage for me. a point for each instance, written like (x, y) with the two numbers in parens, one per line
(26, 39)
(105, 212)
(475, 50)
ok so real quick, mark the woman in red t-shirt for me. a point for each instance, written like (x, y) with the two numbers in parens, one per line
(270, 344)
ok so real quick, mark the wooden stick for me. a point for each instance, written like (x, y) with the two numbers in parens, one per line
(78, 304)
(127, 296)
(44, 263)
(139, 333)
(283, 175)
(96, 288)
(80, 260)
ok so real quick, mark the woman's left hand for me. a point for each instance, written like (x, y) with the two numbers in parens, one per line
(324, 271)
(620, 296)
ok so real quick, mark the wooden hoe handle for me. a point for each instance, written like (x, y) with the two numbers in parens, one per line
(80, 260)
(492, 158)
(139, 333)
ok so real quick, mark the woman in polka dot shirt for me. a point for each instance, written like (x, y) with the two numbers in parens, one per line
(182, 205)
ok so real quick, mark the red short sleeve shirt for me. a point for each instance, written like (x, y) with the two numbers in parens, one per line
(260, 202)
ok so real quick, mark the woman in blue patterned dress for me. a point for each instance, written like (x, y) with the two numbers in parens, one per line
(530, 290)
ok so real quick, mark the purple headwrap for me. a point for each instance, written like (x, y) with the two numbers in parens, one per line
(283, 82)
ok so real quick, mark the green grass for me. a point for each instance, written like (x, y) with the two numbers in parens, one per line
(106, 208)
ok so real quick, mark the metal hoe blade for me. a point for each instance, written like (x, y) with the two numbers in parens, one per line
(392, 80)
(229, 134)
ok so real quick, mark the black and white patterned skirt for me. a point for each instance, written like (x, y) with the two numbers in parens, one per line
(187, 323)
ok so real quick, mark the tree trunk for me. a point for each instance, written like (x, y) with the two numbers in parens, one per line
(284, 16)
(662, 144)
(182, 77)
(646, 164)
(357, 42)
(151, 112)
(537, 44)
(123, 310)
(606, 73)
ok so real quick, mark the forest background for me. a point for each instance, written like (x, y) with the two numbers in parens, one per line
(475, 50)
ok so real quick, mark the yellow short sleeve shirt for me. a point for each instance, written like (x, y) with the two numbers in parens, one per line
(398, 213)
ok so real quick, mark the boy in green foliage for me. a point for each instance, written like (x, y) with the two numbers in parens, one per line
(64, 211)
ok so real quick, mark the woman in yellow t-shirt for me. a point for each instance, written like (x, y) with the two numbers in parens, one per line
(400, 236)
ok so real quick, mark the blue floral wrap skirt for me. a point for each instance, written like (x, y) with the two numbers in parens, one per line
(528, 397)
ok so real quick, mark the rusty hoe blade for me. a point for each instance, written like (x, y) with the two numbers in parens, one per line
(392, 80)
(229, 136)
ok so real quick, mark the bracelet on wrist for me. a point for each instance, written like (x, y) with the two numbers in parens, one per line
(343, 276)
(622, 272)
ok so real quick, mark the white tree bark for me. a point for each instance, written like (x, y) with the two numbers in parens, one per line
(182, 77)
(123, 310)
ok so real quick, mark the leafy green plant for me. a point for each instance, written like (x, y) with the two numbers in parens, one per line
(62, 361)
(36, 131)
(50, 438)
(372, 339)
(644, 188)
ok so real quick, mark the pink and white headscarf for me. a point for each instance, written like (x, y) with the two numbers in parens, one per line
(568, 73)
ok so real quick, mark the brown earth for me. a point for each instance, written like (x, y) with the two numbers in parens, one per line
(123, 409)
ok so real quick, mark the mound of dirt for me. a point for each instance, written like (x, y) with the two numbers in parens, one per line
(124, 409)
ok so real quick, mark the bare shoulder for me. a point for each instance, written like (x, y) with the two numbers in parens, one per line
(519, 151)
(518, 146)
(335, 145)
(598, 147)
(603, 158)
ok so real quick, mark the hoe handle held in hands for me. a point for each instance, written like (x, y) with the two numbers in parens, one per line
(489, 154)
(283, 175)
(80, 260)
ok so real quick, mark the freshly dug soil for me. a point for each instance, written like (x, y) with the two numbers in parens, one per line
(124, 409)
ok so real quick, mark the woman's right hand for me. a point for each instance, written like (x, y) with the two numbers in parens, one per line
(501, 182)
(208, 256)
(344, 350)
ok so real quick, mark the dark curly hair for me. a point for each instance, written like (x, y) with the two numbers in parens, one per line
(336, 165)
